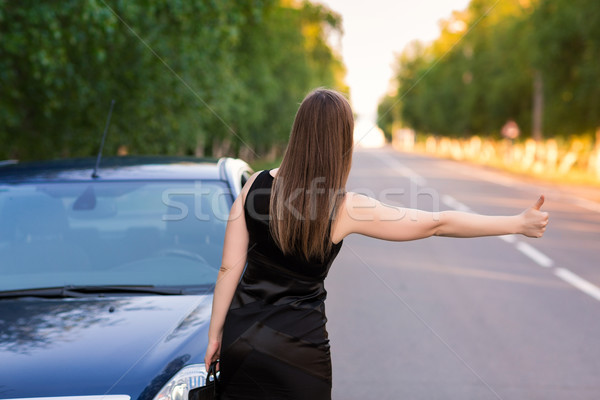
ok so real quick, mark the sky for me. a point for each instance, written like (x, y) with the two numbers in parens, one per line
(375, 31)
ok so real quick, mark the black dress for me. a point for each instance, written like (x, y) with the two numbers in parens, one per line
(275, 344)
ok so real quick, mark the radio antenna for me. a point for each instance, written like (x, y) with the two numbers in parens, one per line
(95, 173)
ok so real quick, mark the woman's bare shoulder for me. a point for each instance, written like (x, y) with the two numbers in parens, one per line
(248, 184)
(342, 224)
(357, 199)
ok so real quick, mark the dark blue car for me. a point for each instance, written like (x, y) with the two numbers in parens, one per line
(106, 282)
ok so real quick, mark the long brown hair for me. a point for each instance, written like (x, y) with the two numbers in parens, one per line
(310, 183)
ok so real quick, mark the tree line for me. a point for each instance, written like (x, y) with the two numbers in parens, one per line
(535, 62)
(189, 77)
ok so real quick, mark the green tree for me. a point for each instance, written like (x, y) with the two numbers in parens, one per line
(189, 76)
(566, 51)
(480, 71)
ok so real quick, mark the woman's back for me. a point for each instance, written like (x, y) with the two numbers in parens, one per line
(268, 317)
(274, 339)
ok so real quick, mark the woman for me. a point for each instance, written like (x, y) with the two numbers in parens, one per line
(288, 224)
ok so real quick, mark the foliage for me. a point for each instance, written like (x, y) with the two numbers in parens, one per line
(567, 44)
(196, 76)
(479, 72)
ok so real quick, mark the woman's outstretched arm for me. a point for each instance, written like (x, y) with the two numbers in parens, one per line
(531, 222)
(367, 216)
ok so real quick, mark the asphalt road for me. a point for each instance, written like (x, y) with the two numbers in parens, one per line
(486, 318)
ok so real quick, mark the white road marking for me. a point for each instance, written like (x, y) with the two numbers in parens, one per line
(455, 204)
(588, 204)
(536, 255)
(403, 169)
(474, 172)
(508, 238)
(578, 282)
(525, 248)
(507, 181)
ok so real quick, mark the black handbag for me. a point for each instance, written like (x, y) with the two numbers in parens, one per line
(210, 391)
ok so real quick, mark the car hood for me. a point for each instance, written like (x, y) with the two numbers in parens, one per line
(99, 346)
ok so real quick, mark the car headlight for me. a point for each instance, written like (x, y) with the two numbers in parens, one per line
(186, 379)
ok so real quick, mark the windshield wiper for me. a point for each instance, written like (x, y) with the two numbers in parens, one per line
(84, 291)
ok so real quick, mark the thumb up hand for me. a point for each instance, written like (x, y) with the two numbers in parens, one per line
(534, 221)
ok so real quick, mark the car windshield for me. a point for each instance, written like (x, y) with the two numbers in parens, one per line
(112, 233)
